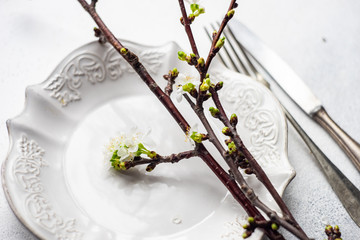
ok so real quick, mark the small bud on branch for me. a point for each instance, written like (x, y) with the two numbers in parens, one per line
(214, 112)
(233, 120)
(230, 13)
(226, 131)
(220, 43)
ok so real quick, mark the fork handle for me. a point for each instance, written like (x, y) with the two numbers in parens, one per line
(349, 145)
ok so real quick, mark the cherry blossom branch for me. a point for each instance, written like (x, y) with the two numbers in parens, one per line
(259, 172)
(170, 78)
(214, 49)
(255, 167)
(185, 21)
(249, 192)
(132, 59)
(157, 159)
(164, 98)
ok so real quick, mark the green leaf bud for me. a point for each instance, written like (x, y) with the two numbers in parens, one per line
(150, 167)
(220, 42)
(114, 156)
(197, 137)
(204, 87)
(274, 226)
(152, 154)
(124, 51)
(199, 11)
(329, 228)
(226, 131)
(207, 75)
(233, 119)
(207, 81)
(251, 220)
(123, 165)
(174, 72)
(214, 33)
(231, 13)
(232, 147)
(141, 150)
(194, 7)
(219, 86)
(188, 87)
(118, 165)
(182, 56)
(201, 62)
(246, 234)
(214, 111)
(246, 226)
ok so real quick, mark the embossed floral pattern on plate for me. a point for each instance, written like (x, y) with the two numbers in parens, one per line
(52, 177)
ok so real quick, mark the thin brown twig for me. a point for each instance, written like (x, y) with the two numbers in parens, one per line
(224, 177)
(230, 162)
(259, 172)
(216, 38)
(188, 28)
(139, 68)
(173, 158)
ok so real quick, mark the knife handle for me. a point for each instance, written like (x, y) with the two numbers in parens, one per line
(349, 145)
(347, 193)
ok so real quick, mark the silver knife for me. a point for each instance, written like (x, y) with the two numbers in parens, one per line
(347, 193)
(291, 83)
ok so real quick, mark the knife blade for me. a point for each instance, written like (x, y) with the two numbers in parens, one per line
(295, 88)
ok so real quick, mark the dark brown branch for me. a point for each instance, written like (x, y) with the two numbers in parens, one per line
(170, 78)
(137, 66)
(224, 177)
(173, 158)
(259, 172)
(188, 28)
(216, 38)
(166, 101)
(237, 193)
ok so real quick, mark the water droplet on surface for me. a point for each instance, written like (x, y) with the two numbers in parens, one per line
(177, 220)
(324, 220)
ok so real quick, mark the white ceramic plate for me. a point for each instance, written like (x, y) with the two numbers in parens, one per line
(58, 185)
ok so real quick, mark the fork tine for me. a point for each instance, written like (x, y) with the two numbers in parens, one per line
(248, 61)
(230, 39)
(234, 55)
(244, 53)
(225, 57)
(209, 34)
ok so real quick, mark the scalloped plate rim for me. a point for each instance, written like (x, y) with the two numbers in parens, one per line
(11, 145)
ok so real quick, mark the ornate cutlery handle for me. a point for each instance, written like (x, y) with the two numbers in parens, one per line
(347, 193)
(349, 145)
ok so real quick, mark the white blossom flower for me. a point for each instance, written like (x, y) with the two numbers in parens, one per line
(125, 146)
(185, 80)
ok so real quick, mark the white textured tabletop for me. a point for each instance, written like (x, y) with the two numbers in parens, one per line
(320, 40)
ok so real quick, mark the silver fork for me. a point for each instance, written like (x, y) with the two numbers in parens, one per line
(235, 57)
